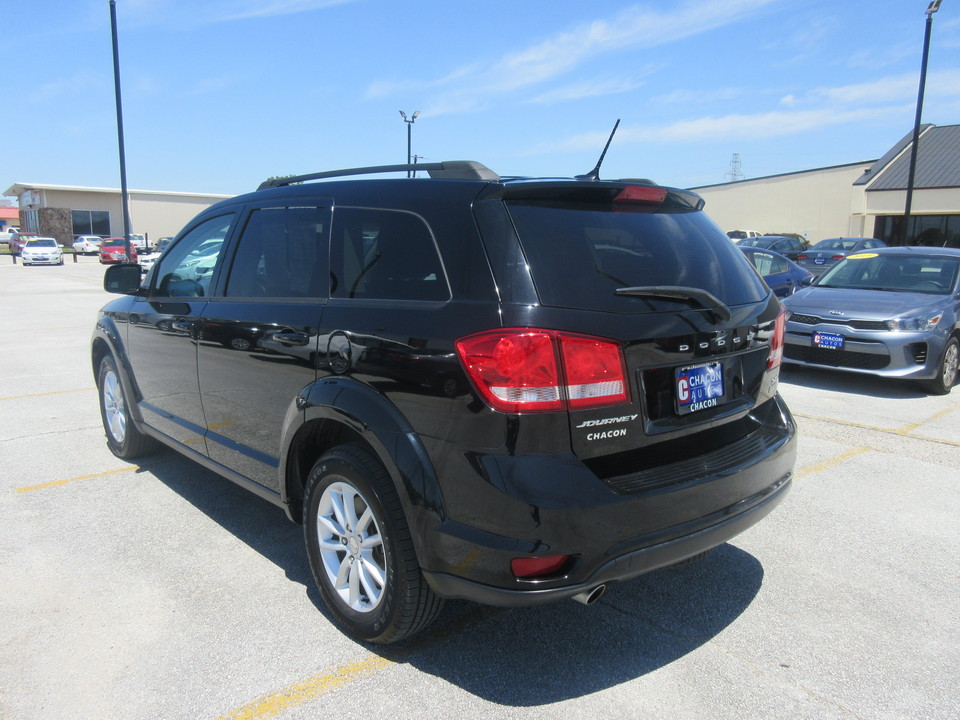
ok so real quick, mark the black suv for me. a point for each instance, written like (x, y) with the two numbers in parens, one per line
(463, 386)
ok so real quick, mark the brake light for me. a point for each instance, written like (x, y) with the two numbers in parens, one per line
(776, 342)
(802, 256)
(838, 257)
(533, 370)
(646, 194)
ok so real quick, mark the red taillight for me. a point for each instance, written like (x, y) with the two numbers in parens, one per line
(802, 256)
(776, 342)
(594, 371)
(529, 370)
(527, 567)
(645, 194)
(837, 258)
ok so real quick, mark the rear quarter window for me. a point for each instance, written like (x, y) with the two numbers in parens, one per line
(579, 256)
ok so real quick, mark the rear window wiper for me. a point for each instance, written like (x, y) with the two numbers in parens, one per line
(704, 299)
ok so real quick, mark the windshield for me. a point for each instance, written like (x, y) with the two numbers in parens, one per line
(580, 255)
(894, 273)
(42, 242)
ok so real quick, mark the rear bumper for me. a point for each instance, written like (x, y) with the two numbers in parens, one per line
(624, 567)
(553, 505)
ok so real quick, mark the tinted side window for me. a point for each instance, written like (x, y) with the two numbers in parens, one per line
(187, 269)
(281, 254)
(384, 254)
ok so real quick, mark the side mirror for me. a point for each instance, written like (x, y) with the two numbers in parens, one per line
(122, 279)
(808, 280)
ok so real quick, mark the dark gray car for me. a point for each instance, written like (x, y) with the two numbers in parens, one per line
(891, 311)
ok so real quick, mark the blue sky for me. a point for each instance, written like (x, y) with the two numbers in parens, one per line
(220, 94)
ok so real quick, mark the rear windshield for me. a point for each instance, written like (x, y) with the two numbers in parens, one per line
(580, 255)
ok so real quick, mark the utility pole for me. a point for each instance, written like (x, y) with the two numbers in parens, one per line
(409, 123)
(931, 9)
(123, 160)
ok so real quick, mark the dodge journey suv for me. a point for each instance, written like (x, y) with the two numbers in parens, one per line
(508, 390)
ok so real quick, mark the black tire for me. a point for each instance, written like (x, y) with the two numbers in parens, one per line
(123, 438)
(382, 595)
(946, 370)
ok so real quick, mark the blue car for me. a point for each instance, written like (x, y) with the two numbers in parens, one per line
(783, 276)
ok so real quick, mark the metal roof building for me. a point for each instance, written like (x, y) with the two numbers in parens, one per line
(864, 199)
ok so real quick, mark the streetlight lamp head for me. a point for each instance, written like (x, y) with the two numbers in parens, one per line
(933, 7)
(403, 115)
(417, 113)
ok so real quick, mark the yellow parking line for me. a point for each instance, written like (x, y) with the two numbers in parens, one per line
(55, 392)
(905, 431)
(831, 462)
(935, 416)
(311, 688)
(55, 483)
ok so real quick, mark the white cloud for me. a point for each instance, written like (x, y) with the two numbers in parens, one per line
(586, 89)
(470, 88)
(729, 127)
(894, 88)
(685, 97)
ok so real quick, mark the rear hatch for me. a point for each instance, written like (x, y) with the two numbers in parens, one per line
(637, 276)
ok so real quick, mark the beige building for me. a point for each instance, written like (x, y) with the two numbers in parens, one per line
(64, 211)
(865, 199)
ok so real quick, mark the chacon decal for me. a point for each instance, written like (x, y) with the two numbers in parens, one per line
(606, 434)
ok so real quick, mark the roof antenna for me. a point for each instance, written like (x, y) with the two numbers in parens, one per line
(594, 174)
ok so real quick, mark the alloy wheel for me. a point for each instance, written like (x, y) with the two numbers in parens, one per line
(351, 547)
(114, 410)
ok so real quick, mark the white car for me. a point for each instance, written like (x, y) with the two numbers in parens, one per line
(147, 261)
(87, 244)
(41, 251)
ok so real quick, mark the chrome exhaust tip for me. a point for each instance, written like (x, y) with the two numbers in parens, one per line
(589, 597)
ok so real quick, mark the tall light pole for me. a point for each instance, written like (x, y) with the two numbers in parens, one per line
(409, 121)
(931, 9)
(123, 160)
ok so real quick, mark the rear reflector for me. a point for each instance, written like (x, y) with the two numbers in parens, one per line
(532, 370)
(528, 567)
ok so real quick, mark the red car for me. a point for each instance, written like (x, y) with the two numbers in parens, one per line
(113, 250)
(19, 240)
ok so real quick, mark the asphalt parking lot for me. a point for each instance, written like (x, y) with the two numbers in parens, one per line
(163, 591)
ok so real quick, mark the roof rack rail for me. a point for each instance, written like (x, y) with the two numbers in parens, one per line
(447, 170)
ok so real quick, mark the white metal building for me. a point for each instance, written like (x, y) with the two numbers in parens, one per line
(64, 211)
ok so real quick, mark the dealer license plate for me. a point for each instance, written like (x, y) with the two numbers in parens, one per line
(699, 387)
(830, 341)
